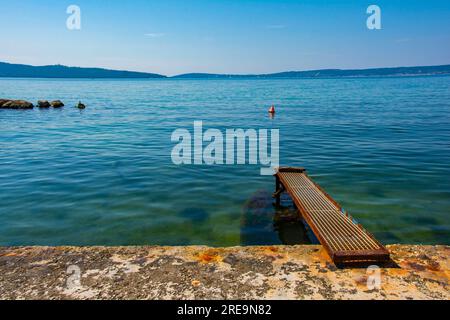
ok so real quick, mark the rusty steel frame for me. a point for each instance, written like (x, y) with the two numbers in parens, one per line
(345, 241)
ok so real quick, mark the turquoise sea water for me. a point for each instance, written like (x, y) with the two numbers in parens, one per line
(104, 176)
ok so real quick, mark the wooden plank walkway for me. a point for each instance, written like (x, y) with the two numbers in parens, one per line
(344, 240)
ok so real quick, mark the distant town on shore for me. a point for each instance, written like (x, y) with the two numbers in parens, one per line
(9, 70)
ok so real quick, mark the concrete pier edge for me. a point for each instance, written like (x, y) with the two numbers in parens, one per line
(198, 272)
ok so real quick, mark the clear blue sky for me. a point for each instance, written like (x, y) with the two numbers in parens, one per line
(225, 36)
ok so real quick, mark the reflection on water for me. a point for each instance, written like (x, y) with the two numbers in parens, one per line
(289, 225)
(292, 233)
(261, 217)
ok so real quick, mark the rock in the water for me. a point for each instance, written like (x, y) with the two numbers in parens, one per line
(3, 101)
(43, 104)
(16, 104)
(81, 106)
(57, 104)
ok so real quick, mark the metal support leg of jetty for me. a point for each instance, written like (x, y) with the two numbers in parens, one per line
(345, 241)
(278, 191)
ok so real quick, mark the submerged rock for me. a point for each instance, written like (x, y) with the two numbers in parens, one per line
(43, 104)
(15, 104)
(57, 104)
(256, 226)
(81, 106)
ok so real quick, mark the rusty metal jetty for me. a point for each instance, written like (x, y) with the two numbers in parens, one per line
(344, 240)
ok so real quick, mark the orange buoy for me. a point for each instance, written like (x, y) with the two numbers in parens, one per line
(272, 109)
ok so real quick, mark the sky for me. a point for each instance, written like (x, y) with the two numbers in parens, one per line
(225, 36)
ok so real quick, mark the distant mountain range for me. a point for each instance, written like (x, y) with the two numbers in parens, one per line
(332, 73)
(59, 71)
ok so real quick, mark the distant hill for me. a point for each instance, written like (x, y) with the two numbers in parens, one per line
(331, 73)
(59, 71)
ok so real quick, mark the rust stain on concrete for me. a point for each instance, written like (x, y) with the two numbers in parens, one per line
(209, 256)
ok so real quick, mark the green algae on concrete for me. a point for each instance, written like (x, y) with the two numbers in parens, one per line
(268, 272)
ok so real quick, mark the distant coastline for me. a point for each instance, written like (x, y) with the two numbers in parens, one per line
(9, 70)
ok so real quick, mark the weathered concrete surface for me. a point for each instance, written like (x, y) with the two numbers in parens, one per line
(276, 272)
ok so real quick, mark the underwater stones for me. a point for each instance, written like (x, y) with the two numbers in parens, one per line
(57, 104)
(15, 104)
(43, 104)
